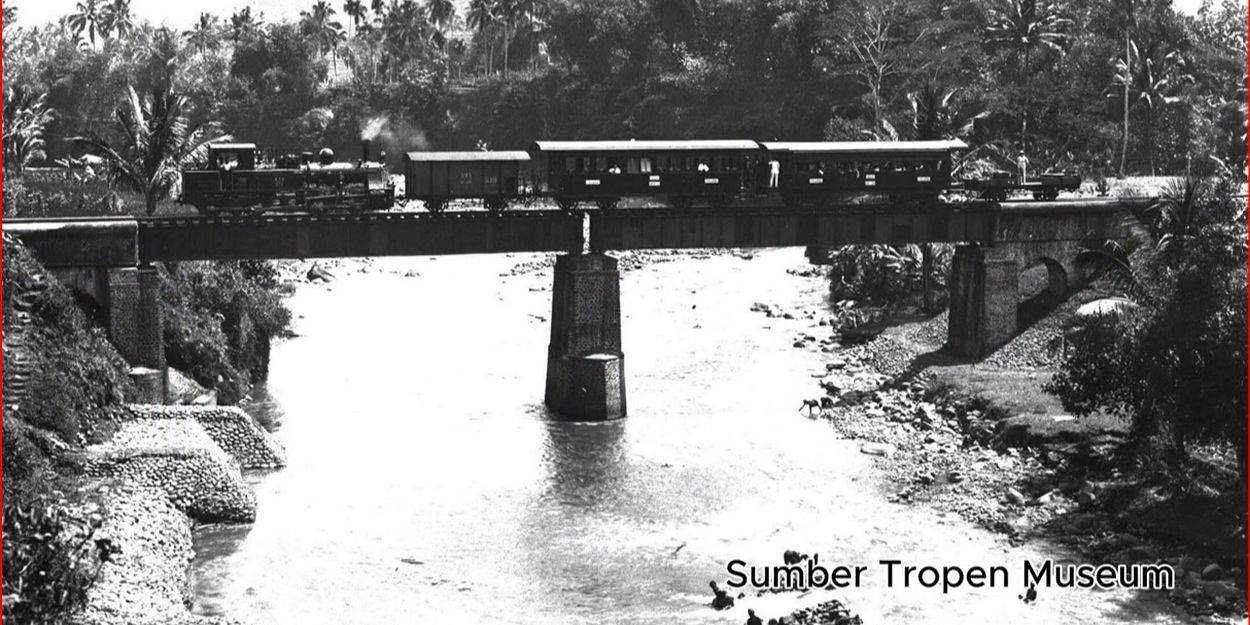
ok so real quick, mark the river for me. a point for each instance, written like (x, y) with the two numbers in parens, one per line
(426, 482)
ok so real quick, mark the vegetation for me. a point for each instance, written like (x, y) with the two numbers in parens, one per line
(1177, 367)
(1067, 81)
(51, 559)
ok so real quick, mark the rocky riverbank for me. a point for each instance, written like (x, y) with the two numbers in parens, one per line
(165, 469)
(983, 441)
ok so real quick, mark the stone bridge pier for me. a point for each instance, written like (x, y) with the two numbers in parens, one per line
(985, 292)
(136, 330)
(585, 365)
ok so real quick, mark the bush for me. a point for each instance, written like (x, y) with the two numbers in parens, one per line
(1177, 368)
(59, 198)
(219, 318)
(886, 273)
(51, 560)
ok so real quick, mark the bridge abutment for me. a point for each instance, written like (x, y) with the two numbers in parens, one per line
(135, 328)
(984, 289)
(585, 365)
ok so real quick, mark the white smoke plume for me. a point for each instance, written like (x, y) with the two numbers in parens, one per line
(394, 135)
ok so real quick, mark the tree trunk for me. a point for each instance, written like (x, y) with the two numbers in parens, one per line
(1128, 74)
(151, 201)
(926, 276)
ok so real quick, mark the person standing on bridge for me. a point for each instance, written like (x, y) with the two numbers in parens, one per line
(1023, 162)
(774, 173)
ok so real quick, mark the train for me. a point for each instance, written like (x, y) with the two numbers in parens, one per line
(577, 174)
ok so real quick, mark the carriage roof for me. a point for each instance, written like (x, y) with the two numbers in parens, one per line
(864, 147)
(644, 146)
(476, 155)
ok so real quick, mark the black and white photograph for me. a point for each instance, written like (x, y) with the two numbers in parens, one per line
(624, 312)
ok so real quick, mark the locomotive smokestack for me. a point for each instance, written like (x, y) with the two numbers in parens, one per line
(364, 150)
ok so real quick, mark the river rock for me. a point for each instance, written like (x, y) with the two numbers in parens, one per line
(1212, 572)
(318, 273)
(877, 449)
(1015, 497)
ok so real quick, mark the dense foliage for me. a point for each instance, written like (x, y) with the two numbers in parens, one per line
(1176, 367)
(1131, 84)
(51, 559)
(218, 319)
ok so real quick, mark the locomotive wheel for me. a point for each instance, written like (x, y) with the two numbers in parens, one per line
(1039, 195)
(436, 206)
(608, 204)
(496, 204)
(566, 204)
(1052, 195)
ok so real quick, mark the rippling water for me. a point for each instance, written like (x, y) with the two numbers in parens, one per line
(427, 483)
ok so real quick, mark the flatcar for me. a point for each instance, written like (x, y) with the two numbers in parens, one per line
(239, 177)
(999, 185)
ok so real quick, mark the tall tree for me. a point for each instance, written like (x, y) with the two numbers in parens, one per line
(86, 18)
(481, 18)
(355, 9)
(869, 37)
(242, 22)
(116, 18)
(1127, 13)
(1021, 26)
(155, 141)
(205, 35)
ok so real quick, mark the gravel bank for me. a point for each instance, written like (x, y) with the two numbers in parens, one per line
(178, 458)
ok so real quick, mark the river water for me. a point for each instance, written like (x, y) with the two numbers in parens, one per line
(426, 483)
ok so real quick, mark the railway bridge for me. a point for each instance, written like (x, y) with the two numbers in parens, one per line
(110, 259)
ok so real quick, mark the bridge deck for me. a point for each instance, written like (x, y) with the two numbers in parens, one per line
(133, 241)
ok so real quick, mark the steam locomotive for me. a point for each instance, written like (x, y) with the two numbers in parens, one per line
(241, 177)
(715, 173)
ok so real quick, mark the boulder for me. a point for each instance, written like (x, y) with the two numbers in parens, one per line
(1213, 572)
(318, 273)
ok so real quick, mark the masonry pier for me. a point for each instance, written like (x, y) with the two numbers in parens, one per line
(585, 365)
(134, 320)
(984, 289)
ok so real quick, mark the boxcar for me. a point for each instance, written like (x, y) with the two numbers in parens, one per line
(812, 171)
(683, 172)
(494, 177)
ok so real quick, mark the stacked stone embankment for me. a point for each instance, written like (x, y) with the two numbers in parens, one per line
(179, 458)
(145, 580)
(236, 432)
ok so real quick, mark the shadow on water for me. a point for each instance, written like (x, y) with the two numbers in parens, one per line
(585, 460)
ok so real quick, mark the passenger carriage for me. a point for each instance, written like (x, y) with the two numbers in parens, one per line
(683, 172)
(814, 171)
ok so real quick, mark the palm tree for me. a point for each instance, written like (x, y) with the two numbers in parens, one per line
(355, 9)
(1159, 75)
(405, 30)
(321, 27)
(1126, 12)
(1021, 26)
(86, 18)
(204, 36)
(25, 118)
(156, 142)
(441, 13)
(480, 18)
(508, 12)
(242, 22)
(116, 18)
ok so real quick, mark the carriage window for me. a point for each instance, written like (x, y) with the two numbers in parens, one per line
(631, 165)
(570, 164)
(646, 164)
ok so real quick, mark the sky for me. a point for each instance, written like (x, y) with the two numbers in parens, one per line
(181, 14)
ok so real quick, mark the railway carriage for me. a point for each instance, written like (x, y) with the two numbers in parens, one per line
(815, 171)
(496, 178)
(682, 172)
